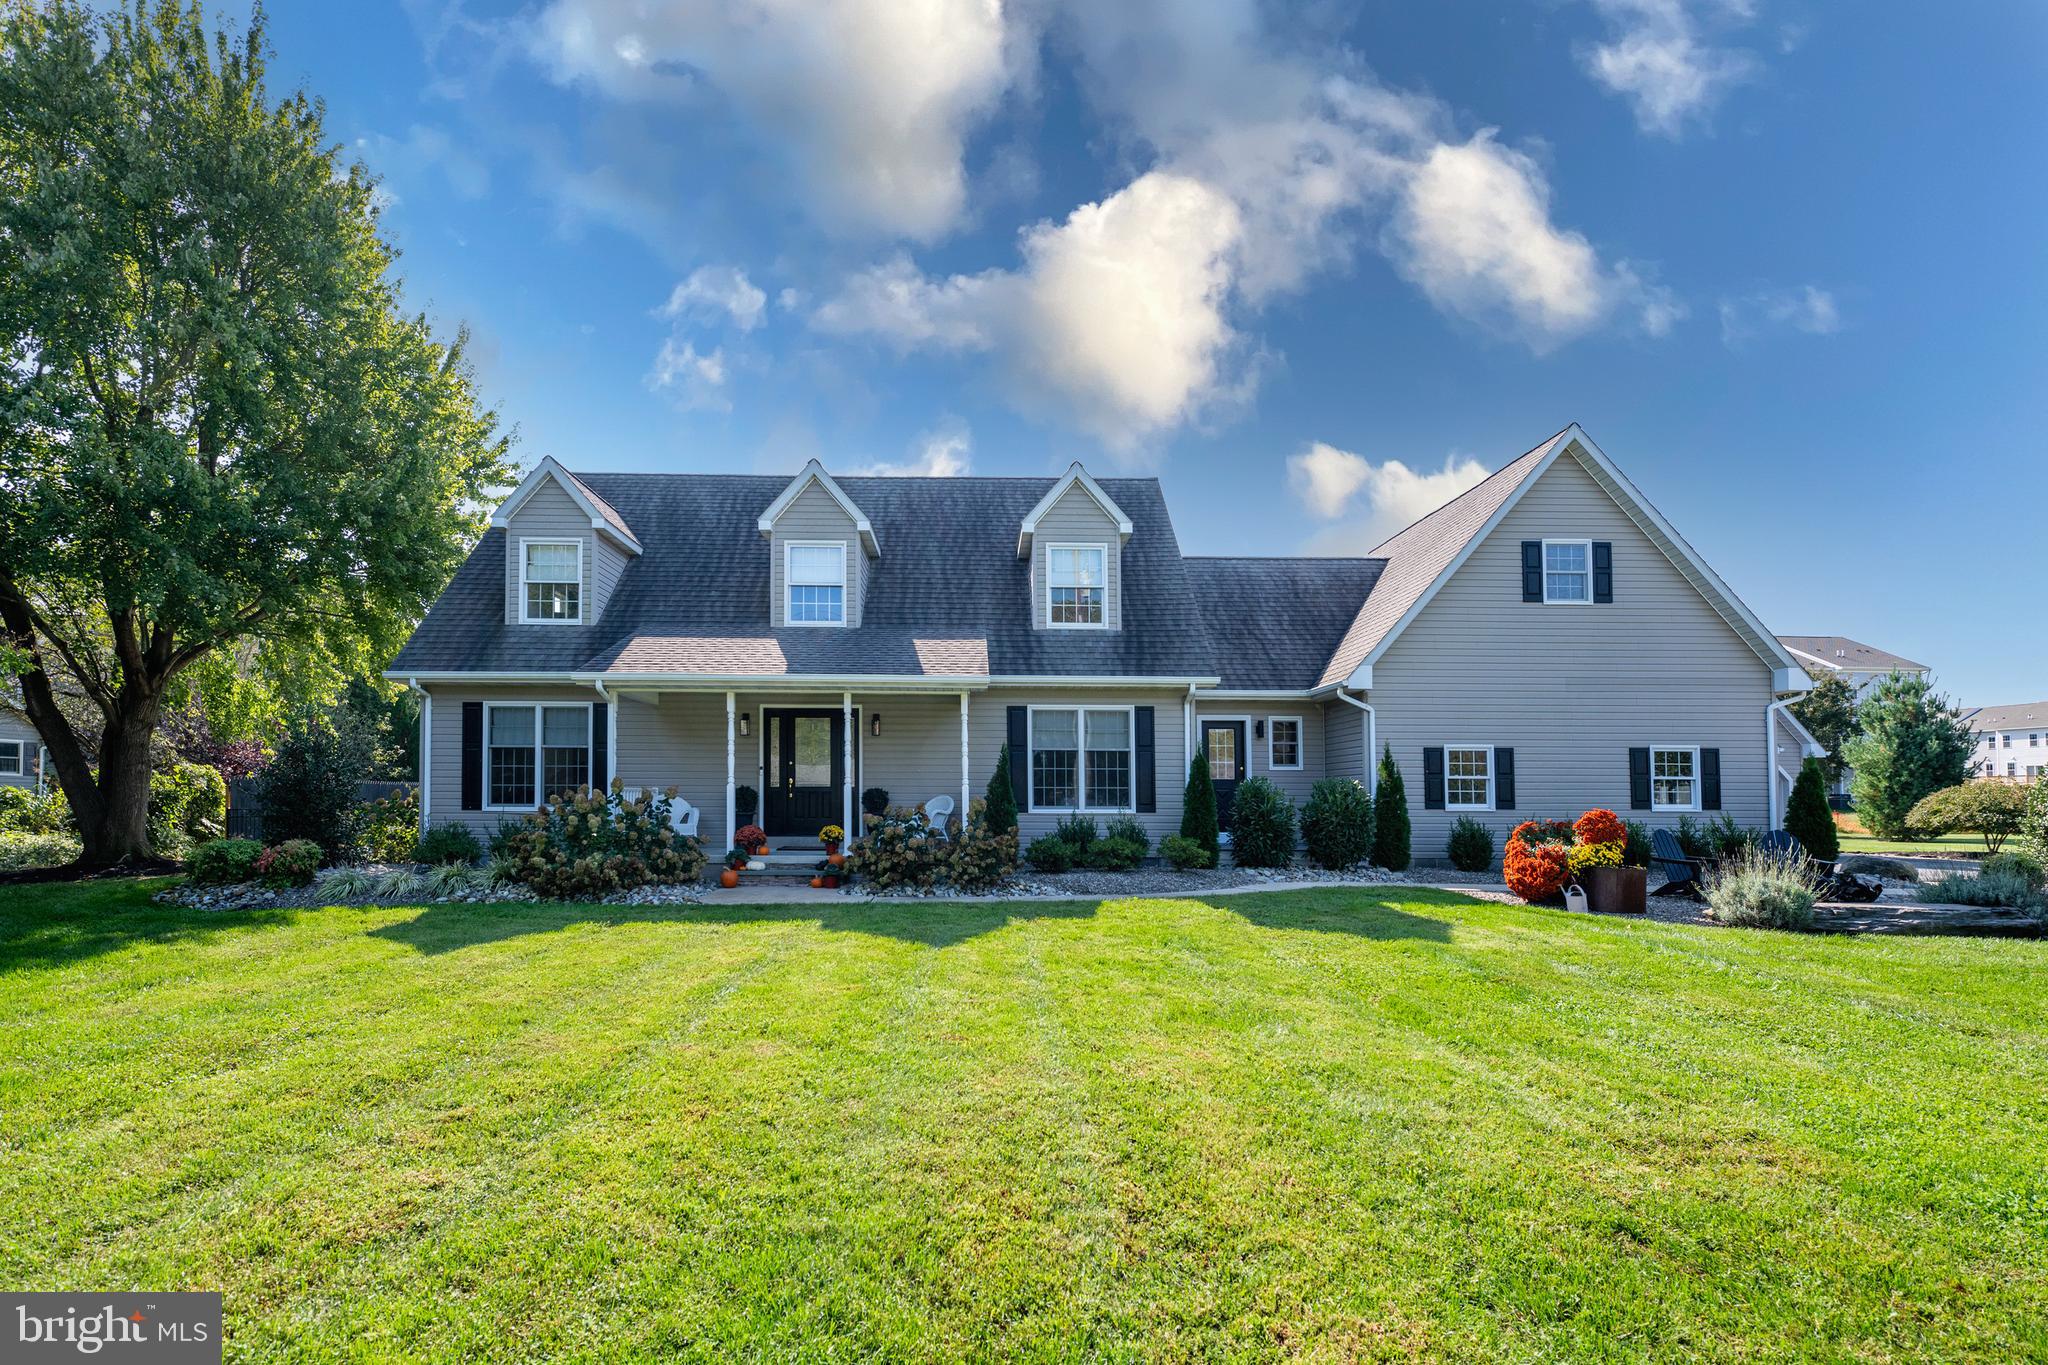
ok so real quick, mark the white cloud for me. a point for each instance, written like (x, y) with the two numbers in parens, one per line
(1116, 315)
(717, 291)
(1658, 61)
(872, 100)
(693, 380)
(1473, 230)
(1807, 309)
(1371, 501)
(426, 154)
(944, 452)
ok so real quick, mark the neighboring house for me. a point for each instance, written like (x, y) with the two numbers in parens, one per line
(2012, 741)
(1860, 665)
(21, 750)
(1542, 644)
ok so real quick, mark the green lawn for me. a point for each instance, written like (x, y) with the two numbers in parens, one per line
(1945, 845)
(1336, 1124)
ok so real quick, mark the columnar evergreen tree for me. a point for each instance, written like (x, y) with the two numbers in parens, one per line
(1198, 807)
(1390, 844)
(999, 805)
(217, 423)
(1914, 742)
(1807, 817)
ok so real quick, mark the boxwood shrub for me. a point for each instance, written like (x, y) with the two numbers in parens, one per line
(1336, 824)
(218, 862)
(1470, 847)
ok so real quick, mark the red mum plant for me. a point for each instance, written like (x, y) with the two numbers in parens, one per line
(1538, 859)
(1599, 827)
(750, 837)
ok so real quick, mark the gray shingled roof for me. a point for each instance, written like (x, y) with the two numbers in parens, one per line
(1275, 622)
(1841, 652)
(948, 591)
(605, 509)
(2019, 716)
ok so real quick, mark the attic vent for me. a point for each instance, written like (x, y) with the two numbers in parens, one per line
(1841, 654)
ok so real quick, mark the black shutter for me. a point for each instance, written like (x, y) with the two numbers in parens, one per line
(1603, 571)
(1639, 779)
(1710, 779)
(1433, 779)
(1147, 788)
(1532, 571)
(1503, 779)
(600, 747)
(472, 755)
(1020, 756)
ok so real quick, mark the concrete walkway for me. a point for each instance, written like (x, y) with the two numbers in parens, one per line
(750, 893)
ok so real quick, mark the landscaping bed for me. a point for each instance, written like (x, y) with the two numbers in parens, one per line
(373, 884)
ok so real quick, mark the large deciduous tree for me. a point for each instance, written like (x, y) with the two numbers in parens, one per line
(217, 423)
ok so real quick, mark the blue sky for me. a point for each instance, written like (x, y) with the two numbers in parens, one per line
(1317, 267)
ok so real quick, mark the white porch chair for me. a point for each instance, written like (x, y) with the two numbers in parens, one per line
(938, 811)
(682, 816)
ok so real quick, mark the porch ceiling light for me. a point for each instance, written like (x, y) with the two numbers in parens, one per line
(875, 725)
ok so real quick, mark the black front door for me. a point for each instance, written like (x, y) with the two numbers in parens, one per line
(805, 765)
(1224, 741)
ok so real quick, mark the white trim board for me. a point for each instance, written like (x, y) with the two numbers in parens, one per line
(1074, 475)
(550, 468)
(815, 473)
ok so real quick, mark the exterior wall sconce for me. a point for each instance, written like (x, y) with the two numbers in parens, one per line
(745, 726)
(1258, 729)
(875, 725)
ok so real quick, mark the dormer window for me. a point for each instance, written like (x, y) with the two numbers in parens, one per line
(551, 582)
(1075, 575)
(815, 581)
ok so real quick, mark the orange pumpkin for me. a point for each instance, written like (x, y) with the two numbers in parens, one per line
(817, 883)
(837, 860)
(729, 878)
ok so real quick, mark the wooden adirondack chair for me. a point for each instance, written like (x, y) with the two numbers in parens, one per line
(1681, 874)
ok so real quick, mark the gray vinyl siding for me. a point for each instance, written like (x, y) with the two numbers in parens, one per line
(15, 729)
(1077, 519)
(1790, 755)
(551, 514)
(1571, 688)
(1295, 782)
(990, 728)
(815, 515)
(1344, 741)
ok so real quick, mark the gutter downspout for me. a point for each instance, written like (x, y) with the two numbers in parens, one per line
(1371, 724)
(1187, 733)
(426, 746)
(1771, 759)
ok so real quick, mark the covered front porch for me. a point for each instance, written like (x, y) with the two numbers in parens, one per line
(808, 754)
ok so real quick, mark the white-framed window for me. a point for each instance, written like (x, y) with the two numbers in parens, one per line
(814, 582)
(551, 582)
(2034, 741)
(1567, 571)
(1468, 777)
(1674, 779)
(2011, 769)
(2007, 739)
(13, 753)
(1076, 585)
(525, 741)
(1283, 742)
(1082, 758)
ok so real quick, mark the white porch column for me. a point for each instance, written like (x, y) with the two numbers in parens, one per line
(846, 707)
(966, 778)
(732, 828)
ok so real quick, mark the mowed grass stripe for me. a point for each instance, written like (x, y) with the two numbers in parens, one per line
(1344, 1124)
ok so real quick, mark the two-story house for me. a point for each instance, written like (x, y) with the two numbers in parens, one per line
(1544, 643)
(2012, 741)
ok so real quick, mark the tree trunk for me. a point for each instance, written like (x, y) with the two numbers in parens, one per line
(121, 833)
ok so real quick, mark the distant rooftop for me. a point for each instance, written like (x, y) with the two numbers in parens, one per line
(1845, 655)
(2018, 716)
